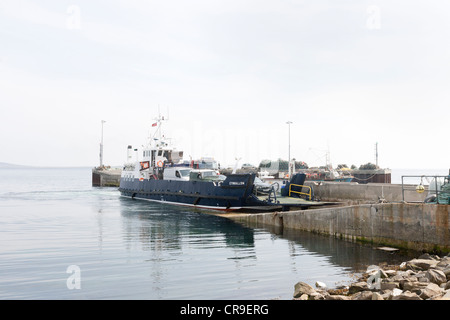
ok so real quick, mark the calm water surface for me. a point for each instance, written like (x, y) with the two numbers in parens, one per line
(51, 219)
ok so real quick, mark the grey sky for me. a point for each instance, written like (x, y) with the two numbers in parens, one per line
(348, 74)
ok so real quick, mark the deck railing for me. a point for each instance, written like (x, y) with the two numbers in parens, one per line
(309, 193)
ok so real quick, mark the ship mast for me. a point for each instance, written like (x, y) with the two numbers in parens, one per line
(158, 139)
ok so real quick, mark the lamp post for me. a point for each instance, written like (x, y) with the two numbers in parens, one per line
(289, 155)
(101, 146)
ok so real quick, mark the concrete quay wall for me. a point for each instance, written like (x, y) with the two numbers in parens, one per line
(106, 178)
(363, 193)
(422, 227)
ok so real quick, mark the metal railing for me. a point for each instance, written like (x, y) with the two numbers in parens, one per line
(309, 194)
(420, 188)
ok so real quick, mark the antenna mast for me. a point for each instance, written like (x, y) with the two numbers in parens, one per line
(101, 146)
(376, 154)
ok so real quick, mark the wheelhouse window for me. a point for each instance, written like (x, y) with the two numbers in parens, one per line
(185, 173)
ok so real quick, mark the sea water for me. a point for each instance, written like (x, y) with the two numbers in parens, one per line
(61, 238)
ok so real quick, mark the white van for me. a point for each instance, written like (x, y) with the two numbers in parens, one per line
(177, 173)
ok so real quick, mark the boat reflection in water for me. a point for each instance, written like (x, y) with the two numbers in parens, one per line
(190, 253)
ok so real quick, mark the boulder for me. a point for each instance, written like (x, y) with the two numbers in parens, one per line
(357, 287)
(387, 294)
(362, 295)
(446, 286)
(406, 280)
(446, 271)
(318, 295)
(421, 264)
(430, 291)
(377, 296)
(407, 295)
(399, 277)
(337, 297)
(436, 276)
(446, 296)
(301, 288)
(415, 286)
(338, 291)
(395, 292)
(388, 285)
(445, 262)
(426, 256)
(320, 285)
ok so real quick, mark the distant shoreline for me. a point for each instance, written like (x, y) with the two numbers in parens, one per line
(5, 165)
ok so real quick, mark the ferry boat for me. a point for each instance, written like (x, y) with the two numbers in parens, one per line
(163, 176)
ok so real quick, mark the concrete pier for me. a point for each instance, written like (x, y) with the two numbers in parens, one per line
(372, 176)
(422, 227)
(352, 192)
(106, 177)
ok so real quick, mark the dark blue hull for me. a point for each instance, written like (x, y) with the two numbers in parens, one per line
(234, 193)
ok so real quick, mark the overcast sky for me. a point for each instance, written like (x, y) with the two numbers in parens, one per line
(230, 74)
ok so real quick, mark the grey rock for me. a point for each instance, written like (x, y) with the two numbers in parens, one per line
(337, 297)
(301, 288)
(357, 287)
(394, 293)
(447, 286)
(423, 279)
(436, 276)
(377, 296)
(398, 277)
(446, 271)
(389, 285)
(430, 291)
(362, 295)
(421, 264)
(406, 295)
(415, 286)
(446, 296)
(387, 294)
(318, 296)
(426, 256)
(406, 280)
(443, 263)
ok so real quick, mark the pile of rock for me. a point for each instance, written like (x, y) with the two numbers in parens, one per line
(424, 278)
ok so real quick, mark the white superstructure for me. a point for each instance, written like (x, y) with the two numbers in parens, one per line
(157, 157)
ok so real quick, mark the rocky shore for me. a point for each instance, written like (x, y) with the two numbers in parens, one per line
(424, 278)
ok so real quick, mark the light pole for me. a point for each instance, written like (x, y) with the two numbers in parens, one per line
(101, 146)
(289, 155)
